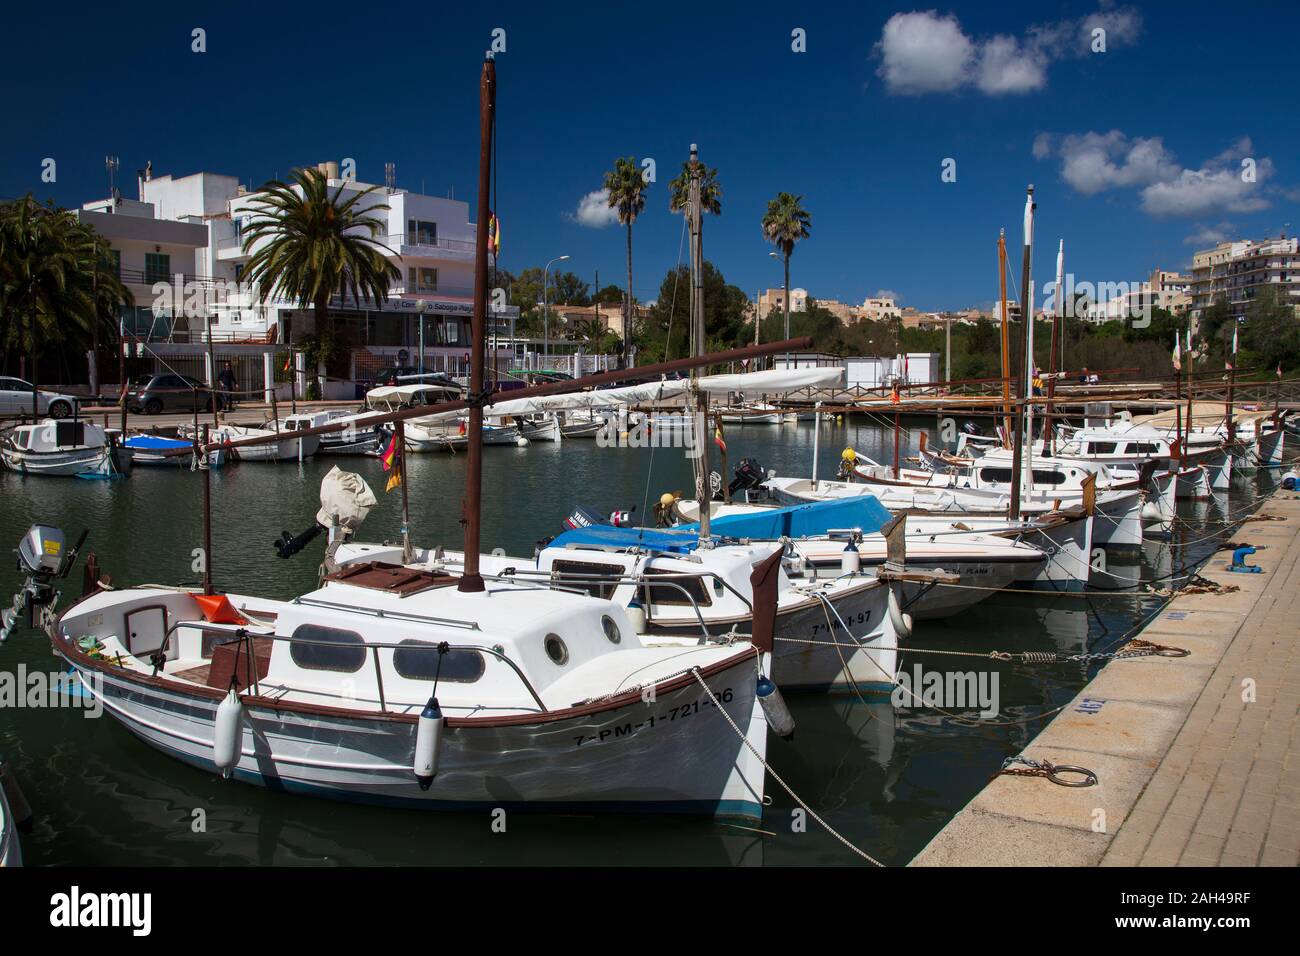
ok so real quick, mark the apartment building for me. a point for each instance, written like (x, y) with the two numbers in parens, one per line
(774, 299)
(181, 251)
(1236, 272)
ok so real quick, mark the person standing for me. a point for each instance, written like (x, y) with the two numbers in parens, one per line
(228, 385)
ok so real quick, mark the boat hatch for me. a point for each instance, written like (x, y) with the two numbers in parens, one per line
(69, 434)
(390, 578)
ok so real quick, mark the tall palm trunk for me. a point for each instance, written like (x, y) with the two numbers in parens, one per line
(627, 310)
(787, 305)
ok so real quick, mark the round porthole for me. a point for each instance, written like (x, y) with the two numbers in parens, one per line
(556, 649)
(611, 629)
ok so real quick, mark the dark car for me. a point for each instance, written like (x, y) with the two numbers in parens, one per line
(153, 394)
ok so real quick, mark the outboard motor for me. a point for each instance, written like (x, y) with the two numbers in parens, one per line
(43, 557)
(583, 518)
(345, 500)
(748, 474)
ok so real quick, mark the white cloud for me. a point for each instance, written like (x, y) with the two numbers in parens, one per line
(1094, 162)
(1005, 66)
(888, 294)
(924, 52)
(594, 210)
(1210, 235)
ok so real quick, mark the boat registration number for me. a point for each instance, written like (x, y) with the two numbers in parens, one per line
(667, 716)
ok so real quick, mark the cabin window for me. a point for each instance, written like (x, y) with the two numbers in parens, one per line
(674, 594)
(317, 648)
(556, 649)
(68, 434)
(611, 629)
(1101, 447)
(994, 475)
(418, 660)
(575, 574)
(1143, 448)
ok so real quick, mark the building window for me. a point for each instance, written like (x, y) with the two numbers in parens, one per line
(117, 260)
(317, 648)
(421, 280)
(421, 233)
(157, 267)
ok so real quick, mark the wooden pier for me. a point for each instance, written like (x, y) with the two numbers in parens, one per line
(1197, 758)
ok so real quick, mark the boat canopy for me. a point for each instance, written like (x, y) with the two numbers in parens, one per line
(773, 381)
(156, 442)
(863, 512)
(608, 536)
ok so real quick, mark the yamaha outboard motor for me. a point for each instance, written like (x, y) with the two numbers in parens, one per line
(748, 474)
(43, 559)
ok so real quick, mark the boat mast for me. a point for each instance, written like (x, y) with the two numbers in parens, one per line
(1229, 424)
(1027, 320)
(1058, 321)
(471, 580)
(703, 493)
(1191, 386)
(1006, 339)
(1178, 402)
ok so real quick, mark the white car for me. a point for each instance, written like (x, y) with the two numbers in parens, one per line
(16, 399)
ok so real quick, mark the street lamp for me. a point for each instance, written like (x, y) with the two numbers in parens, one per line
(546, 306)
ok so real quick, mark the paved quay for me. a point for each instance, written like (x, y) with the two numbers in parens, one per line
(1197, 758)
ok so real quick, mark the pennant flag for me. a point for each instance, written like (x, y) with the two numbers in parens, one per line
(394, 480)
(893, 393)
(718, 440)
(494, 233)
(1178, 353)
(390, 454)
(288, 360)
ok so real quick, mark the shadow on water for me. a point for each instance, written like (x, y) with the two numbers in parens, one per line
(887, 778)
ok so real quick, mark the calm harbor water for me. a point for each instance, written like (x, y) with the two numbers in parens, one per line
(888, 780)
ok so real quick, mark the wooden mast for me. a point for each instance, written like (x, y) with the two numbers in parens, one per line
(1229, 425)
(1058, 320)
(471, 580)
(1006, 338)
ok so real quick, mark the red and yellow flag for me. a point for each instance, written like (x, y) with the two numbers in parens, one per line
(390, 454)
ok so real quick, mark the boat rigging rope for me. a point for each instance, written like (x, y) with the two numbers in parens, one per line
(695, 671)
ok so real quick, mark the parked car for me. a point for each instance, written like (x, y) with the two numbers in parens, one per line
(16, 399)
(153, 394)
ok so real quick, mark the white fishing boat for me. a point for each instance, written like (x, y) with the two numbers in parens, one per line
(686, 594)
(284, 449)
(581, 423)
(63, 448)
(758, 413)
(355, 440)
(543, 427)
(387, 685)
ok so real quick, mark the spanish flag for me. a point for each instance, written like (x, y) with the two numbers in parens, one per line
(718, 440)
(394, 480)
(494, 233)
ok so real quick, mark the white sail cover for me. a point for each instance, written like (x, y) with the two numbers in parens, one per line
(773, 381)
(647, 393)
(345, 499)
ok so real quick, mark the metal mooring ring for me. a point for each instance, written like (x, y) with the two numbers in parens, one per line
(1054, 771)
(1173, 652)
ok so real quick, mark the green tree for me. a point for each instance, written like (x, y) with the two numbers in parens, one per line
(679, 190)
(57, 284)
(626, 187)
(666, 331)
(785, 223)
(309, 244)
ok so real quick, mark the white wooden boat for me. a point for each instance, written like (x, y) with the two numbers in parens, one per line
(357, 440)
(63, 448)
(543, 427)
(286, 449)
(698, 591)
(545, 700)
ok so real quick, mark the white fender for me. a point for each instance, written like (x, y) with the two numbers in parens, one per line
(228, 733)
(850, 559)
(428, 743)
(901, 620)
(636, 614)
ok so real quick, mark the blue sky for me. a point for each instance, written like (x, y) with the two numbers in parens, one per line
(1135, 152)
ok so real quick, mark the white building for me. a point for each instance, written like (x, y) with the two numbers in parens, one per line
(181, 251)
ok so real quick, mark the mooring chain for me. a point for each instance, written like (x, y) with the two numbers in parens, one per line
(1135, 647)
(1045, 768)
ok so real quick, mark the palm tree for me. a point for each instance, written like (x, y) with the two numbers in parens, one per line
(626, 188)
(784, 224)
(679, 190)
(48, 266)
(314, 244)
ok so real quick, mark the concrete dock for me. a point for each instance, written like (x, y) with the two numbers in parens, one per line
(1197, 758)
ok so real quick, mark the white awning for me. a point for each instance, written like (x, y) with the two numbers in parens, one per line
(774, 381)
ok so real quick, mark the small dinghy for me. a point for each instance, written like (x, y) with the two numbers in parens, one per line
(153, 450)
